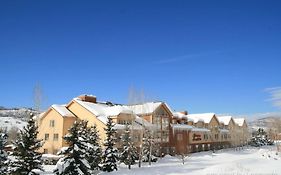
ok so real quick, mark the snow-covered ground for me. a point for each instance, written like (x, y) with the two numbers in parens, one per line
(9, 122)
(262, 161)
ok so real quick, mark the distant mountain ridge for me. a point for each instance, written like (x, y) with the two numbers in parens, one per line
(20, 113)
(265, 122)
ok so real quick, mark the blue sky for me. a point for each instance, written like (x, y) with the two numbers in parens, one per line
(202, 56)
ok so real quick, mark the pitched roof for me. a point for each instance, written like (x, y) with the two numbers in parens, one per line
(102, 109)
(62, 110)
(205, 117)
(180, 115)
(224, 119)
(147, 108)
(239, 121)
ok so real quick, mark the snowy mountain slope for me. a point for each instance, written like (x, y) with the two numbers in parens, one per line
(8, 122)
(264, 122)
(15, 117)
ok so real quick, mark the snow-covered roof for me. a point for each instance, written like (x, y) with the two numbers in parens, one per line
(179, 115)
(103, 111)
(224, 119)
(62, 110)
(205, 117)
(181, 127)
(223, 130)
(135, 126)
(147, 108)
(119, 126)
(99, 109)
(239, 121)
(195, 129)
(143, 122)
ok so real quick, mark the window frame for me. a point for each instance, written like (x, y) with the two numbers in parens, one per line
(52, 123)
(46, 136)
(55, 138)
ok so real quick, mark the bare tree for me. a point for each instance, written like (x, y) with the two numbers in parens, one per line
(138, 97)
(38, 97)
(274, 127)
(13, 134)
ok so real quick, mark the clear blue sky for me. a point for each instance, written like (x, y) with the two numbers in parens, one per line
(203, 56)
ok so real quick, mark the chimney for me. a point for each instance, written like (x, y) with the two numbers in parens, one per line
(184, 112)
(88, 98)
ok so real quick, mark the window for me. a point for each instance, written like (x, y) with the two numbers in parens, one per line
(52, 123)
(46, 136)
(179, 137)
(124, 122)
(205, 136)
(165, 136)
(156, 120)
(165, 123)
(216, 136)
(56, 137)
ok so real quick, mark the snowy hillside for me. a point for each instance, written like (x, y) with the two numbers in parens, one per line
(15, 117)
(9, 122)
(265, 121)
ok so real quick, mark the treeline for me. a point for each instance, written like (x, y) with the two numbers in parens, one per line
(84, 154)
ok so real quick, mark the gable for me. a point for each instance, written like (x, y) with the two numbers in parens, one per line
(231, 123)
(49, 112)
(214, 121)
(163, 109)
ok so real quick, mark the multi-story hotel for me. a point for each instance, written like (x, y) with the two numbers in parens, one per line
(175, 132)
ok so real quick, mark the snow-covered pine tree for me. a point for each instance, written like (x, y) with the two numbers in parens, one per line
(260, 138)
(147, 147)
(110, 154)
(128, 150)
(74, 161)
(27, 158)
(94, 152)
(3, 153)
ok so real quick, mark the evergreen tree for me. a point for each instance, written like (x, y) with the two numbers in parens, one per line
(74, 161)
(3, 154)
(94, 152)
(128, 151)
(260, 138)
(27, 159)
(147, 147)
(110, 154)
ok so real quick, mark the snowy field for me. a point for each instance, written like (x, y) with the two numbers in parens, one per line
(252, 161)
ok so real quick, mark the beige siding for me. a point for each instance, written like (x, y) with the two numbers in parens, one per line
(84, 114)
(51, 145)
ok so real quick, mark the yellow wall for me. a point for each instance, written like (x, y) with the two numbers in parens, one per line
(44, 128)
(68, 122)
(83, 114)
